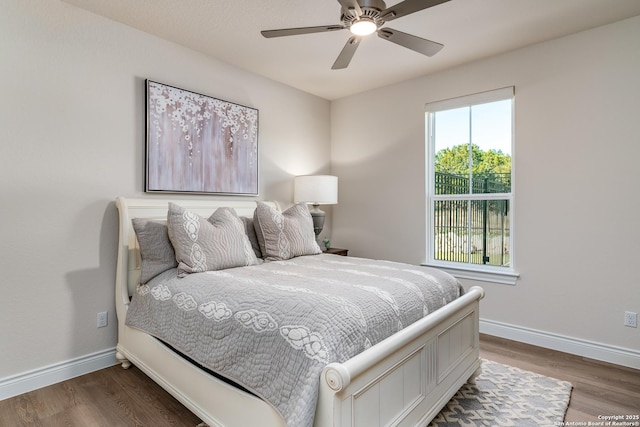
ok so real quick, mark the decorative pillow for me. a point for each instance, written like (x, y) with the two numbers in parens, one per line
(156, 251)
(214, 244)
(251, 234)
(284, 235)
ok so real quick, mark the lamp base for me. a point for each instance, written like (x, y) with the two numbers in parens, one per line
(318, 219)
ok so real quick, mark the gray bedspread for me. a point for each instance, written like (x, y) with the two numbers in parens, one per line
(273, 327)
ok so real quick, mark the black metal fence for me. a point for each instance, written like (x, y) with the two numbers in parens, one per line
(472, 231)
(482, 183)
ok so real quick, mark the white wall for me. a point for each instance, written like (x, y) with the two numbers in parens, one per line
(576, 180)
(72, 139)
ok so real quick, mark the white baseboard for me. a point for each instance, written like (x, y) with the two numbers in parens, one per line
(593, 350)
(42, 377)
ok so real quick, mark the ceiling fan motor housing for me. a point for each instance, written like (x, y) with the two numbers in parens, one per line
(370, 11)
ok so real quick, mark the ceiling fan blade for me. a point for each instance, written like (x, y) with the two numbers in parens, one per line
(304, 30)
(407, 7)
(351, 5)
(423, 46)
(347, 53)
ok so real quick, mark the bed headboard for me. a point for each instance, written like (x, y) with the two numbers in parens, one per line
(128, 263)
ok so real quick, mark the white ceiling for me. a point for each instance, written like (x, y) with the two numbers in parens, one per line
(470, 30)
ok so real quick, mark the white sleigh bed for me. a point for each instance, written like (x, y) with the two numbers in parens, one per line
(404, 380)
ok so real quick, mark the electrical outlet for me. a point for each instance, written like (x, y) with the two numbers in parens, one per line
(102, 319)
(631, 319)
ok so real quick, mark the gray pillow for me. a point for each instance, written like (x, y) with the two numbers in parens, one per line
(156, 252)
(204, 245)
(284, 235)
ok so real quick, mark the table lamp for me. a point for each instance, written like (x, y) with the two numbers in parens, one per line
(316, 190)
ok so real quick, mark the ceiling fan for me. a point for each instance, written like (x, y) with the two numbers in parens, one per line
(364, 17)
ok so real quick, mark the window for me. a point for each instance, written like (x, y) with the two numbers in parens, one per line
(469, 185)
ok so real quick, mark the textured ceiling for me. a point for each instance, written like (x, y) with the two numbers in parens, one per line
(229, 30)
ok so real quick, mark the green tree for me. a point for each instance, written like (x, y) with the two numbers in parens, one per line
(494, 161)
(455, 160)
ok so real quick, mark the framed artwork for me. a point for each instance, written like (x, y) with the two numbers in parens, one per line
(199, 144)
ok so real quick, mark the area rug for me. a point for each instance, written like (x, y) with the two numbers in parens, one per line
(506, 396)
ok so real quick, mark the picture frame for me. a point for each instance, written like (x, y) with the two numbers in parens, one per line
(199, 144)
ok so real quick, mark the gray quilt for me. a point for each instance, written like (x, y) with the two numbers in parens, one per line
(273, 327)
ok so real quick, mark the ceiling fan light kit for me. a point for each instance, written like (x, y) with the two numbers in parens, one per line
(365, 17)
(363, 27)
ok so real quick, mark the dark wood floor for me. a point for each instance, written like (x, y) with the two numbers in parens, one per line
(115, 397)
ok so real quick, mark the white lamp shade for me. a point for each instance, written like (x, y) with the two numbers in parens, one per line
(316, 189)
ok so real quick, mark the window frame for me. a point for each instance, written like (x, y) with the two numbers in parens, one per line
(481, 272)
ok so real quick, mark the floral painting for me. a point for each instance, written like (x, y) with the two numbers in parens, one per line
(199, 144)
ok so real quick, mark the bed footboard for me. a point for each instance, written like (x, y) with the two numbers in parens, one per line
(408, 378)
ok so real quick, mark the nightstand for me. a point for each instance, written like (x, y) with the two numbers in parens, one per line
(336, 251)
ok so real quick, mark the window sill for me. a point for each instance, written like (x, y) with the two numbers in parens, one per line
(508, 277)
